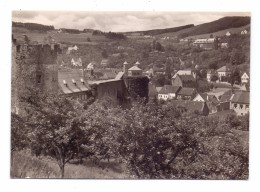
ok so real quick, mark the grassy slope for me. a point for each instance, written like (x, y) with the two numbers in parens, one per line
(24, 165)
(206, 35)
(59, 37)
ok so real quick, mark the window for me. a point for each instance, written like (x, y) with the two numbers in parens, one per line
(241, 106)
(247, 106)
(235, 105)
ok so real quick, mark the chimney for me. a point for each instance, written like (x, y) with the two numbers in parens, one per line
(65, 83)
(82, 81)
(73, 81)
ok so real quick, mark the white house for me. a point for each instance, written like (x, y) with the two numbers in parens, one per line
(244, 32)
(74, 48)
(168, 92)
(184, 72)
(223, 72)
(245, 78)
(228, 33)
(211, 101)
(240, 103)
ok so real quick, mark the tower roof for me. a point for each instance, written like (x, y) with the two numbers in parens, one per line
(125, 63)
(135, 68)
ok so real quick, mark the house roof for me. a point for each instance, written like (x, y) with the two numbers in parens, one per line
(209, 98)
(241, 97)
(186, 78)
(158, 89)
(68, 76)
(186, 91)
(223, 69)
(183, 72)
(189, 105)
(247, 72)
(109, 75)
(166, 89)
(119, 75)
(134, 68)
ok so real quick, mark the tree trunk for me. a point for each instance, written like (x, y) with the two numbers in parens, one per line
(62, 170)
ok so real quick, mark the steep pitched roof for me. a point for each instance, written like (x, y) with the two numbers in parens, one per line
(167, 89)
(66, 78)
(241, 97)
(158, 89)
(186, 91)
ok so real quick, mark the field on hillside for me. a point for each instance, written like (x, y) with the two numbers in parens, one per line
(82, 38)
(221, 33)
(207, 35)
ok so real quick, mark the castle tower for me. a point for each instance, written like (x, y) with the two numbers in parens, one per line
(34, 67)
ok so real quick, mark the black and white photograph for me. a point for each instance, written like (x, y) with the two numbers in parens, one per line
(109, 97)
(130, 95)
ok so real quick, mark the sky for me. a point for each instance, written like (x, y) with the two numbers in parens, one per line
(119, 21)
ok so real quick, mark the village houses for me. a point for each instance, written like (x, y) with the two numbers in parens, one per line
(223, 72)
(240, 103)
(74, 48)
(245, 78)
(211, 101)
(168, 92)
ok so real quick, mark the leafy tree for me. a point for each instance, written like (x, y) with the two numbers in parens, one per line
(104, 54)
(235, 77)
(237, 57)
(57, 129)
(214, 78)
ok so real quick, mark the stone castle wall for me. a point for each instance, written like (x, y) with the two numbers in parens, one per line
(33, 66)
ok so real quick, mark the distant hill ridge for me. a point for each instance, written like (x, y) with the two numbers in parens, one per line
(181, 31)
(161, 31)
(218, 25)
(33, 26)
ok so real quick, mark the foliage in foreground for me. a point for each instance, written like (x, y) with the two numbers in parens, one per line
(152, 140)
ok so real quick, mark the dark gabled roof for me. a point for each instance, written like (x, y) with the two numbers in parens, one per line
(186, 78)
(186, 91)
(241, 97)
(68, 76)
(209, 98)
(189, 105)
(166, 89)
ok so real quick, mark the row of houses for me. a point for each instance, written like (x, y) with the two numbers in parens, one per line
(237, 101)
(224, 72)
